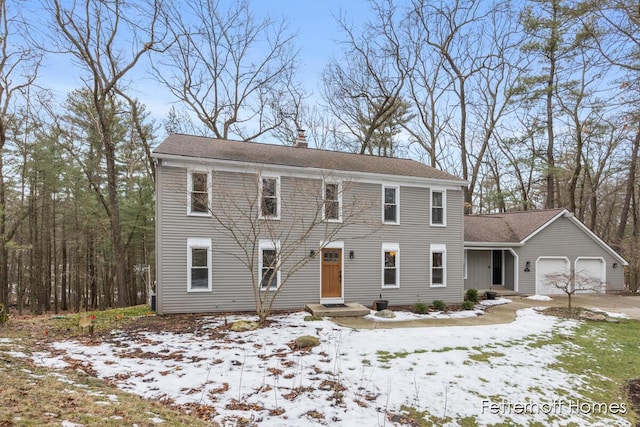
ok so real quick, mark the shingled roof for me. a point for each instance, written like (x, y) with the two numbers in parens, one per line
(510, 227)
(188, 146)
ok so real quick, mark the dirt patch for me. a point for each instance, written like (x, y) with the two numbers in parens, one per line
(575, 313)
(633, 393)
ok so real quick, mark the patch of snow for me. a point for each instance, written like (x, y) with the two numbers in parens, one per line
(403, 316)
(497, 301)
(46, 360)
(540, 298)
(380, 369)
(16, 354)
(66, 423)
(611, 314)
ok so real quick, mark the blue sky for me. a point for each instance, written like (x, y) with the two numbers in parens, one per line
(312, 20)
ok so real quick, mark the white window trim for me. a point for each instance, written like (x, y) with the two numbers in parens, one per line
(278, 198)
(397, 188)
(438, 248)
(386, 247)
(269, 245)
(324, 206)
(444, 206)
(465, 265)
(199, 243)
(190, 173)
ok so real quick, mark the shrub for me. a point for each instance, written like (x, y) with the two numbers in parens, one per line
(439, 305)
(420, 308)
(468, 305)
(471, 295)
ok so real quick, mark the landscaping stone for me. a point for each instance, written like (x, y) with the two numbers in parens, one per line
(385, 314)
(307, 341)
(244, 325)
(596, 317)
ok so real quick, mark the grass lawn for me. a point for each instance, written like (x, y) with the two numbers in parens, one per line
(602, 354)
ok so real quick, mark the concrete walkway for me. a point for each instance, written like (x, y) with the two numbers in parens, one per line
(506, 313)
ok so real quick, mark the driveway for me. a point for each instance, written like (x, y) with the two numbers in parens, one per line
(506, 313)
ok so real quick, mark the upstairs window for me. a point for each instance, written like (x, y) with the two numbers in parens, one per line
(269, 265)
(332, 198)
(438, 214)
(199, 183)
(270, 197)
(390, 205)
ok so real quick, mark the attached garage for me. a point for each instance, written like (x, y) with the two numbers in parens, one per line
(546, 266)
(533, 244)
(594, 271)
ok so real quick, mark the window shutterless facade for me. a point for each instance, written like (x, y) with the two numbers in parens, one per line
(269, 197)
(332, 201)
(390, 265)
(438, 209)
(198, 265)
(390, 205)
(199, 192)
(438, 266)
(269, 265)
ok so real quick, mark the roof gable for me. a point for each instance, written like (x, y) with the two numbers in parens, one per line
(187, 146)
(509, 227)
(518, 227)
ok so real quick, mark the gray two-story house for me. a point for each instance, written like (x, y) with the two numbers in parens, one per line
(239, 220)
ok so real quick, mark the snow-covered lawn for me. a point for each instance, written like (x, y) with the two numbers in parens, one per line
(355, 377)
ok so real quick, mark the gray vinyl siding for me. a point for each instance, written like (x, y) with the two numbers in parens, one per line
(231, 281)
(478, 269)
(564, 238)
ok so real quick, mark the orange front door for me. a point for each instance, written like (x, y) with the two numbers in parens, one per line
(331, 273)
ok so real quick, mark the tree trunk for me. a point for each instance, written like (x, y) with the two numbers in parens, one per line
(624, 213)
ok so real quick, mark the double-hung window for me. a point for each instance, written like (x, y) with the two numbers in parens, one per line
(332, 201)
(390, 265)
(269, 264)
(198, 265)
(438, 266)
(270, 197)
(199, 193)
(438, 211)
(390, 205)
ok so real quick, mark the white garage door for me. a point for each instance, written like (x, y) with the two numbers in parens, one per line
(545, 266)
(594, 272)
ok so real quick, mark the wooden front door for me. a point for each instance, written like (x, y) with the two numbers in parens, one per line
(331, 273)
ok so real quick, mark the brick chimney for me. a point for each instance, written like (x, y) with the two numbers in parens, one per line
(301, 140)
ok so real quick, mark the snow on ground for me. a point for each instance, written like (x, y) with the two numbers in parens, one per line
(540, 298)
(497, 301)
(407, 315)
(353, 378)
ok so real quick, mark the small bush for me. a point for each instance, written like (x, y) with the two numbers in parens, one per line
(439, 305)
(468, 305)
(471, 295)
(421, 308)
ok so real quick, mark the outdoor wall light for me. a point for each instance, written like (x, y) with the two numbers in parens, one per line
(527, 266)
(615, 265)
(352, 255)
(312, 253)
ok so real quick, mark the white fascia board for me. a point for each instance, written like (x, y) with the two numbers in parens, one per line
(170, 160)
(491, 245)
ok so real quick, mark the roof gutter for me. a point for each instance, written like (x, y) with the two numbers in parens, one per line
(489, 245)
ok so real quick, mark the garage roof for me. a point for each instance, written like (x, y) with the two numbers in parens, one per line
(509, 227)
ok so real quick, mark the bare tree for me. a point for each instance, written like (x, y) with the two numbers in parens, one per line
(233, 71)
(108, 40)
(19, 66)
(364, 88)
(572, 282)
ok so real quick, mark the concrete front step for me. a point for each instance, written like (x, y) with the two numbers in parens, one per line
(352, 309)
